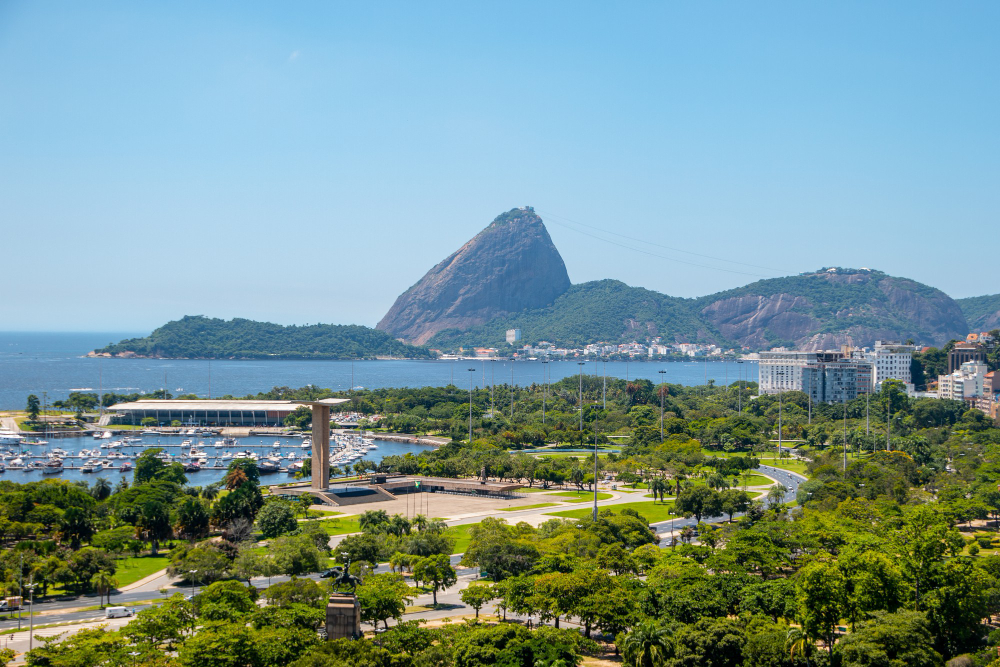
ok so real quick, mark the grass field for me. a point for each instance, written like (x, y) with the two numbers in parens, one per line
(341, 525)
(461, 535)
(527, 507)
(788, 464)
(652, 512)
(531, 489)
(579, 496)
(131, 570)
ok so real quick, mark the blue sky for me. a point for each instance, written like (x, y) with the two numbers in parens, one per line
(307, 162)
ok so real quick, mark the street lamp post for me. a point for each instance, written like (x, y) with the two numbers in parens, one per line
(512, 393)
(595, 471)
(471, 371)
(845, 434)
(604, 390)
(662, 375)
(739, 399)
(580, 364)
(545, 387)
(192, 573)
(31, 613)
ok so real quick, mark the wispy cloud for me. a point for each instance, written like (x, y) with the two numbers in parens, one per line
(294, 55)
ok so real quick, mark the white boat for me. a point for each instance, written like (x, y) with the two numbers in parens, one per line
(16, 464)
(52, 467)
(277, 444)
(294, 467)
(186, 443)
(107, 435)
(125, 467)
(219, 444)
(268, 465)
(91, 466)
(226, 456)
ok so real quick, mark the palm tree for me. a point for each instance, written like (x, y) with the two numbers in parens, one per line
(210, 492)
(103, 581)
(420, 522)
(101, 489)
(234, 477)
(647, 645)
(798, 643)
(775, 495)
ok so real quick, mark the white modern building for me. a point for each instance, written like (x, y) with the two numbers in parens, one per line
(828, 377)
(513, 335)
(965, 383)
(890, 361)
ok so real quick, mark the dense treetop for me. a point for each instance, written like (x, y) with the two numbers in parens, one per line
(203, 337)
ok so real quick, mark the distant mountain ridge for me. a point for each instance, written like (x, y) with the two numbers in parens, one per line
(457, 303)
(197, 337)
(983, 312)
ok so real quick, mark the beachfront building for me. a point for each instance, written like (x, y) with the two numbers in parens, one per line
(827, 377)
(205, 412)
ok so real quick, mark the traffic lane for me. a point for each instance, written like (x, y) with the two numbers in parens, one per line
(783, 477)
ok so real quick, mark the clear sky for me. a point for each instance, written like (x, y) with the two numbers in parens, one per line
(307, 162)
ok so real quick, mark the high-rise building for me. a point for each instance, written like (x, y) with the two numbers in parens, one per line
(827, 377)
(513, 335)
(891, 361)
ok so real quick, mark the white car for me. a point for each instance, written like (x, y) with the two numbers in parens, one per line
(117, 612)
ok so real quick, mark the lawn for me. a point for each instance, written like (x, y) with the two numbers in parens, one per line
(580, 496)
(531, 489)
(788, 464)
(131, 570)
(527, 507)
(652, 512)
(462, 535)
(755, 480)
(340, 525)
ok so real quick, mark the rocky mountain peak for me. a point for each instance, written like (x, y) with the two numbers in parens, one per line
(508, 267)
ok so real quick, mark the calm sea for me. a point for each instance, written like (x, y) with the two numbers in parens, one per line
(53, 364)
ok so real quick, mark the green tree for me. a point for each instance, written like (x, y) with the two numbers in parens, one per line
(276, 518)
(103, 582)
(225, 601)
(162, 626)
(477, 596)
(902, 639)
(295, 554)
(821, 595)
(192, 519)
(647, 645)
(698, 501)
(437, 571)
(34, 407)
(383, 596)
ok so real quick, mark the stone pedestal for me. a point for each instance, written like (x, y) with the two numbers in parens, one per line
(343, 616)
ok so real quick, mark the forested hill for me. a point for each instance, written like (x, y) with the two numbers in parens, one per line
(983, 312)
(208, 338)
(819, 310)
(601, 310)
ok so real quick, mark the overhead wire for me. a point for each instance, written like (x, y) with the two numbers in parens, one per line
(549, 216)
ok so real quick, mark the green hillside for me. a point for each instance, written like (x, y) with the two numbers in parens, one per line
(978, 309)
(202, 337)
(602, 310)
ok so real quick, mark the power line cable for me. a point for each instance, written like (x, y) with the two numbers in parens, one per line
(653, 254)
(659, 245)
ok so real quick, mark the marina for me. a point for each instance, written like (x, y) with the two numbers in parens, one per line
(204, 459)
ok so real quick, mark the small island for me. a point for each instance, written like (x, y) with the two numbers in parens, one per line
(198, 337)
